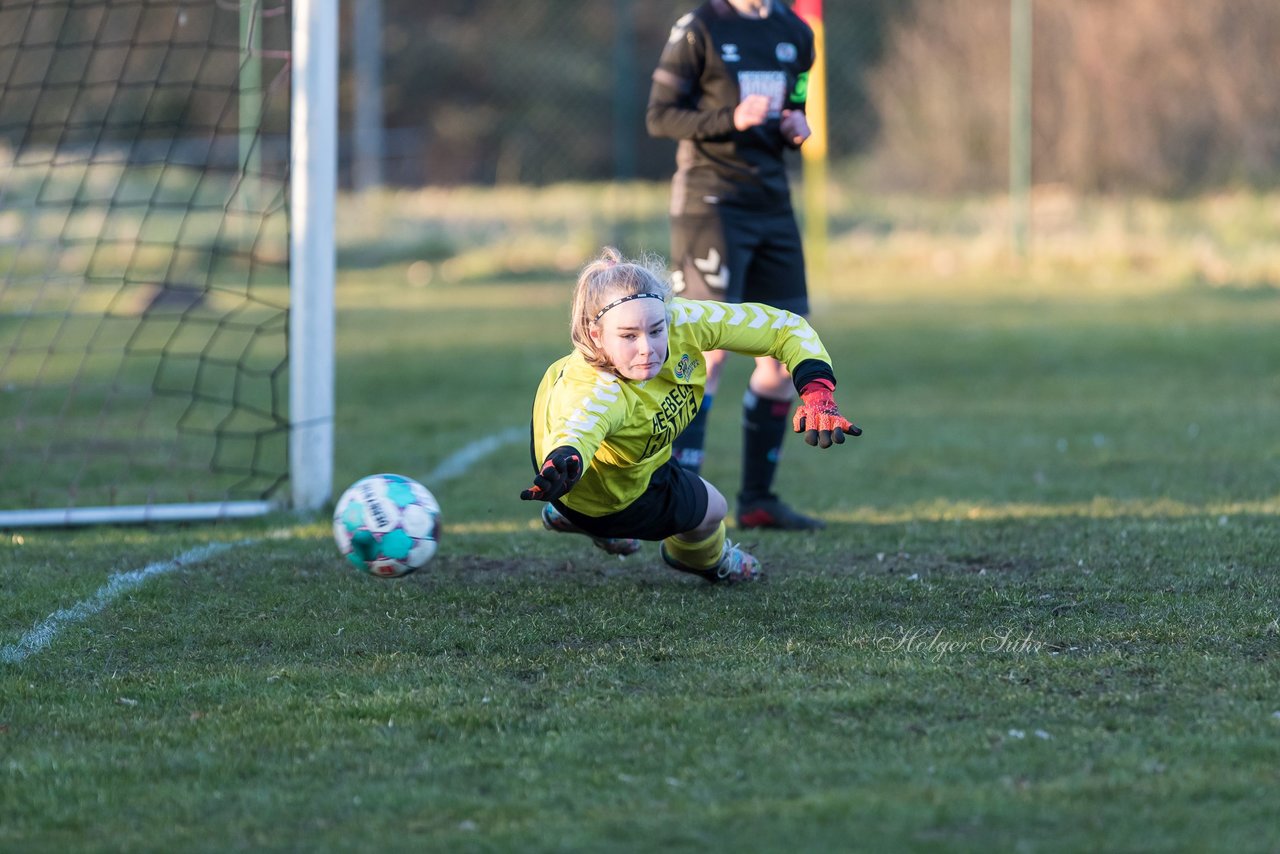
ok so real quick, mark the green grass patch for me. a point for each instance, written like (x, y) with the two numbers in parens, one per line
(1043, 615)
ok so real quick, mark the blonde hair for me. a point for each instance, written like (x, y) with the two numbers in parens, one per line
(604, 280)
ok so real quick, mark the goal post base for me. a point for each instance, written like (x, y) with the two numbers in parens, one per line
(136, 514)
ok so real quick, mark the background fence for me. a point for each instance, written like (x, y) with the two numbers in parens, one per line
(1129, 95)
(540, 92)
(1139, 95)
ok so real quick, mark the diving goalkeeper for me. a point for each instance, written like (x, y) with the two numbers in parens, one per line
(605, 416)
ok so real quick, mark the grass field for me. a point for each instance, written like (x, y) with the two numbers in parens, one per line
(1044, 615)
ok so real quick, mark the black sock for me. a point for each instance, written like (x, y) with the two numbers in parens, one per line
(764, 424)
(687, 448)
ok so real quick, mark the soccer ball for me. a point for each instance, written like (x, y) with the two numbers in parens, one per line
(387, 525)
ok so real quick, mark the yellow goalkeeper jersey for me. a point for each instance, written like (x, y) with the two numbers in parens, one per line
(624, 428)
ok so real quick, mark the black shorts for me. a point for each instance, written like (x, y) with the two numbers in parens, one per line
(675, 502)
(735, 255)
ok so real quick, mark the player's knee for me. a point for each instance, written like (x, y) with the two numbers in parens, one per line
(715, 364)
(772, 380)
(717, 510)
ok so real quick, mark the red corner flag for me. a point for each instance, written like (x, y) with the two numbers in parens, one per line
(814, 150)
(810, 10)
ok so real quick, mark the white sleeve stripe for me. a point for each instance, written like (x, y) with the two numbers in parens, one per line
(578, 421)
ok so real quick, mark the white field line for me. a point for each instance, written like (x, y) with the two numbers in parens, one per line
(460, 462)
(42, 634)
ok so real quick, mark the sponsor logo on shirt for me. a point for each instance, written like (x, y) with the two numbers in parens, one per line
(673, 415)
(786, 52)
(686, 366)
(771, 84)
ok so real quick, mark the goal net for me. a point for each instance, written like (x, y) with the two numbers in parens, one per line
(144, 259)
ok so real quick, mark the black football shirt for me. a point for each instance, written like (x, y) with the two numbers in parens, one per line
(714, 59)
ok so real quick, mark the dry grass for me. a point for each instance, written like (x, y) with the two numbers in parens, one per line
(881, 247)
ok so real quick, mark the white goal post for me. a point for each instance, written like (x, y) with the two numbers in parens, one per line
(314, 151)
(167, 191)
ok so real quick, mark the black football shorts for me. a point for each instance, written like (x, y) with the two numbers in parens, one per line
(675, 502)
(736, 255)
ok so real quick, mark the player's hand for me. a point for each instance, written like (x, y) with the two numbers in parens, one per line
(794, 126)
(753, 110)
(819, 418)
(560, 472)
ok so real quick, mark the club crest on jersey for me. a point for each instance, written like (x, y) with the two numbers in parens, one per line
(685, 367)
(786, 52)
(729, 53)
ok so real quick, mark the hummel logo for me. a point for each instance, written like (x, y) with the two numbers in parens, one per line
(714, 273)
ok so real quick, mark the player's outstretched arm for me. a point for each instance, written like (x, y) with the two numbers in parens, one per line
(559, 474)
(818, 417)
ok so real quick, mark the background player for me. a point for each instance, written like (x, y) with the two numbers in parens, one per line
(605, 416)
(730, 86)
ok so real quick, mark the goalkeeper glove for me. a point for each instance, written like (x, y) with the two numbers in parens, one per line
(819, 418)
(560, 472)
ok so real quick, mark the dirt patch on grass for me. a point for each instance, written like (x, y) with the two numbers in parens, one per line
(588, 568)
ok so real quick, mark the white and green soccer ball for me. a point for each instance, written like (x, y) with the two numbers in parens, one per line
(387, 525)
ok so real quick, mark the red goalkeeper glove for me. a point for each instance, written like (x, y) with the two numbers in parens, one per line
(819, 418)
(560, 472)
